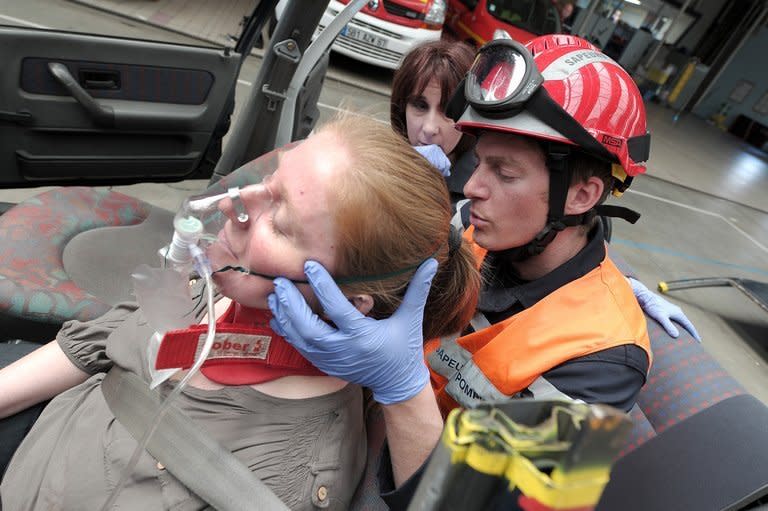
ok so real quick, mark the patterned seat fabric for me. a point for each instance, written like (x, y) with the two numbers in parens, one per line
(642, 431)
(33, 282)
(36, 293)
(684, 380)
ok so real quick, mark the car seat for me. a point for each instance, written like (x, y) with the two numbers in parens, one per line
(684, 379)
(716, 459)
(69, 252)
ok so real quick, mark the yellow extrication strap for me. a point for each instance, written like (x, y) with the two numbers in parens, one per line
(556, 453)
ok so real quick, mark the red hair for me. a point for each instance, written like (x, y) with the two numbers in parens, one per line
(392, 211)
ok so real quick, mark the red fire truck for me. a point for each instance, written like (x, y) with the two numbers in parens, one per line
(475, 21)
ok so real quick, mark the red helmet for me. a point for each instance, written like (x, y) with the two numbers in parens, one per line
(561, 89)
(586, 85)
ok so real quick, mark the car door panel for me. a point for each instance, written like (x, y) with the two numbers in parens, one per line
(101, 110)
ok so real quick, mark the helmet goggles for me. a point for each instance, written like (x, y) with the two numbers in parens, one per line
(502, 78)
(504, 81)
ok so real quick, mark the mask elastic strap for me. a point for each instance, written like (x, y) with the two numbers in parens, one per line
(338, 280)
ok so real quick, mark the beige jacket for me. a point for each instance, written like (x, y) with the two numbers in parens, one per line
(310, 452)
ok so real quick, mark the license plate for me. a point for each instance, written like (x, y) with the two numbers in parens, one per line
(361, 35)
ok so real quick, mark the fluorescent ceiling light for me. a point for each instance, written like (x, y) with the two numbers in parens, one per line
(636, 2)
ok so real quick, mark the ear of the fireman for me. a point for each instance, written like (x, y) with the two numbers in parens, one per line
(584, 196)
(363, 303)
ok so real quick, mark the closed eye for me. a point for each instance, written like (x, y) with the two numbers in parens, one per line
(273, 224)
(503, 174)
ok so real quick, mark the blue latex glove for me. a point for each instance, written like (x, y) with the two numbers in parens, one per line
(435, 155)
(385, 355)
(662, 310)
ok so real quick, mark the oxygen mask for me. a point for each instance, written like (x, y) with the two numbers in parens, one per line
(202, 222)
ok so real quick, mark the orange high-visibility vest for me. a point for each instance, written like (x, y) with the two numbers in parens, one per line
(590, 314)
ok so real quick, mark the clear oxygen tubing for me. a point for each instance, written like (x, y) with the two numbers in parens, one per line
(203, 268)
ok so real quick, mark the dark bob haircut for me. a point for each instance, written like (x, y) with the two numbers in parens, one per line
(444, 62)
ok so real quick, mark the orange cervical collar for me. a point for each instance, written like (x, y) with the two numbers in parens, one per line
(245, 351)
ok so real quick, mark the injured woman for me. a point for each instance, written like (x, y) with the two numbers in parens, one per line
(354, 197)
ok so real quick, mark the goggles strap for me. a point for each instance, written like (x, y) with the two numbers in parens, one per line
(542, 106)
(458, 102)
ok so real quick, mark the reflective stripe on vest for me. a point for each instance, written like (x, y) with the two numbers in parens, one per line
(467, 384)
(479, 322)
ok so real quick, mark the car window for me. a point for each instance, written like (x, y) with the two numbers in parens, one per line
(536, 16)
(150, 21)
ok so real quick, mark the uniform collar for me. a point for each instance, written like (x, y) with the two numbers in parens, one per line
(500, 295)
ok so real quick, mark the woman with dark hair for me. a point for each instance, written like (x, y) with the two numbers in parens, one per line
(421, 88)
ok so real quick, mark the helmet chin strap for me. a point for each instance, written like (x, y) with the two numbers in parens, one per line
(559, 181)
(557, 156)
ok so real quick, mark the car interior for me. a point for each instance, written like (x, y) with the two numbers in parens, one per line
(81, 110)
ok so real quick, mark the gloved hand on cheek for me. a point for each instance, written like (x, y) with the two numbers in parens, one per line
(384, 355)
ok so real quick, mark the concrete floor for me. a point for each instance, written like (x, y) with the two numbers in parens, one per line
(700, 219)
(703, 204)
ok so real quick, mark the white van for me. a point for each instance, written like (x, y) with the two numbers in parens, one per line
(385, 30)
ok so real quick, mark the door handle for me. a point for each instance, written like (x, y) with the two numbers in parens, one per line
(101, 114)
